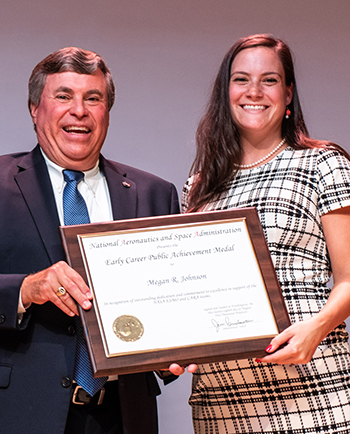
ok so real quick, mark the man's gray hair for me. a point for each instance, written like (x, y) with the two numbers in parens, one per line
(70, 59)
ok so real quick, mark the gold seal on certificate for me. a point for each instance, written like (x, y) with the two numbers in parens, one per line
(128, 328)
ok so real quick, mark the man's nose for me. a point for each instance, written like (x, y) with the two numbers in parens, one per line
(78, 108)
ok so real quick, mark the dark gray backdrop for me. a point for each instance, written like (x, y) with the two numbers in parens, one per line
(164, 55)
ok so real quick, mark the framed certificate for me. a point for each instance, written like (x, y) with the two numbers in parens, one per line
(190, 288)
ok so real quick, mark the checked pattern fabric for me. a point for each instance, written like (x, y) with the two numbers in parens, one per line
(76, 213)
(291, 193)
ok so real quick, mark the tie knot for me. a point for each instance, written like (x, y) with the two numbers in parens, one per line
(73, 175)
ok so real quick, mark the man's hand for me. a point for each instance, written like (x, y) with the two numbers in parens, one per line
(43, 286)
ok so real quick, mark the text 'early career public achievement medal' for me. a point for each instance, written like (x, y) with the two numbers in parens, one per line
(128, 328)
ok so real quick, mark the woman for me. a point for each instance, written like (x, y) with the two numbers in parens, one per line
(253, 149)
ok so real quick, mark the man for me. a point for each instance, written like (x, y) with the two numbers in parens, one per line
(70, 95)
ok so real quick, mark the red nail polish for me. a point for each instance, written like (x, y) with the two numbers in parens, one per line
(268, 349)
(258, 360)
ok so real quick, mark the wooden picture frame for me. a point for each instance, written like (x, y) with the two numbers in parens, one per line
(216, 229)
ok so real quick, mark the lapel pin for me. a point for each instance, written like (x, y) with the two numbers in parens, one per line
(126, 184)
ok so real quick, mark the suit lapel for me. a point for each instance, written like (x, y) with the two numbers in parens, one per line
(122, 191)
(34, 183)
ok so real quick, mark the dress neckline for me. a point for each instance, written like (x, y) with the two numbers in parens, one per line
(245, 169)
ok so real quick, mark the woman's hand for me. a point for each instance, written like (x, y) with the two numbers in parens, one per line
(297, 344)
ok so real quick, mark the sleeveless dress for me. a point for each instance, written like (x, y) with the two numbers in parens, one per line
(291, 193)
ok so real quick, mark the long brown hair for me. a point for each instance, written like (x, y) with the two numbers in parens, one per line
(217, 138)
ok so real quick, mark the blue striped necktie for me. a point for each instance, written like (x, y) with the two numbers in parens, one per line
(76, 213)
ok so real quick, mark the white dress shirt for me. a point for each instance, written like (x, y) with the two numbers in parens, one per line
(93, 188)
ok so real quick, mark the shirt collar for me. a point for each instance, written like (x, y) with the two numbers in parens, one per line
(91, 177)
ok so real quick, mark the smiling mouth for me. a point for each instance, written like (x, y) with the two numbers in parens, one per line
(77, 130)
(253, 107)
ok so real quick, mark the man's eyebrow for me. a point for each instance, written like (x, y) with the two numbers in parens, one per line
(64, 89)
(94, 92)
(89, 92)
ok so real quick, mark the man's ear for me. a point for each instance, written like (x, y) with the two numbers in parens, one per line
(33, 111)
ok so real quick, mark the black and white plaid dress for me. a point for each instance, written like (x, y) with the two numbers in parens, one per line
(291, 193)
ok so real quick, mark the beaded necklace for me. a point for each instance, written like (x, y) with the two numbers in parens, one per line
(246, 166)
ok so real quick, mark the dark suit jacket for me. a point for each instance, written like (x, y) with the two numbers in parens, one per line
(37, 356)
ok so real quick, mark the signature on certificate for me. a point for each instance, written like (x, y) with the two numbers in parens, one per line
(229, 324)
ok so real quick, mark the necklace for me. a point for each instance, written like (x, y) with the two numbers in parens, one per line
(245, 166)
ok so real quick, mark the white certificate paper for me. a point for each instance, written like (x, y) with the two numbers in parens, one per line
(186, 285)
